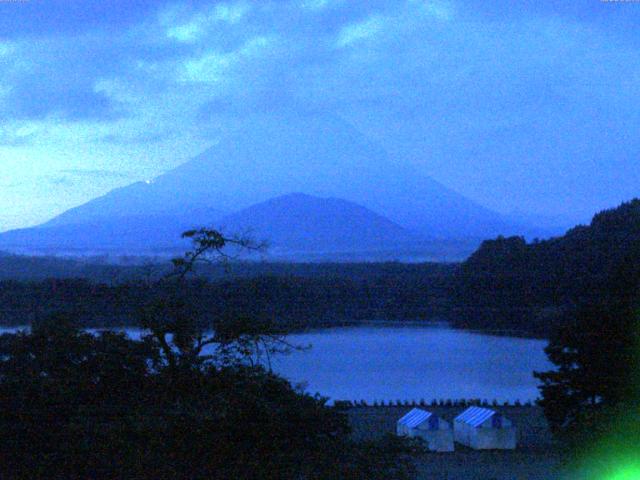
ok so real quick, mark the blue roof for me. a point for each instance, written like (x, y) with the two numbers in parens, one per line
(475, 416)
(415, 417)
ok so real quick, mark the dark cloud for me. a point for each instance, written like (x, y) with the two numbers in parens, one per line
(73, 104)
(57, 76)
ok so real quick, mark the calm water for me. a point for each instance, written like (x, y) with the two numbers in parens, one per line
(411, 363)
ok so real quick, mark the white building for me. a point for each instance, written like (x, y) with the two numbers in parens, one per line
(435, 432)
(484, 429)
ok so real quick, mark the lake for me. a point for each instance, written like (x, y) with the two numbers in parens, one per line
(412, 363)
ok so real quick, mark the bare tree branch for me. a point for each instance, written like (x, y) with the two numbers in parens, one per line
(208, 247)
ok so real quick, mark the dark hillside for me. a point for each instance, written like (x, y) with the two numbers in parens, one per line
(509, 284)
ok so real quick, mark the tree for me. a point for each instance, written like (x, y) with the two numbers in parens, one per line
(508, 284)
(182, 333)
(62, 391)
(597, 354)
(78, 405)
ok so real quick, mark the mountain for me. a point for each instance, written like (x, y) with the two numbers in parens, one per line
(138, 234)
(268, 157)
(299, 223)
(293, 225)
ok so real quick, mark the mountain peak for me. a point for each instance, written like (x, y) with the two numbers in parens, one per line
(299, 222)
(272, 156)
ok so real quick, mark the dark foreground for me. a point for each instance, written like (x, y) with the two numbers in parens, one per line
(537, 456)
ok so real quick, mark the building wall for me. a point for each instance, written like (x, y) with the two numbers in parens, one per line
(485, 438)
(437, 440)
(492, 438)
(440, 440)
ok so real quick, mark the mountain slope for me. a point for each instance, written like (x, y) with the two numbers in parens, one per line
(272, 156)
(319, 155)
(302, 223)
(510, 284)
(291, 224)
(136, 234)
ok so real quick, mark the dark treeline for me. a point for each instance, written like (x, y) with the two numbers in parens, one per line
(133, 269)
(315, 296)
(512, 285)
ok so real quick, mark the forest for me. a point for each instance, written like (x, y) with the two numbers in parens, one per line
(295, 296)
(509, 284)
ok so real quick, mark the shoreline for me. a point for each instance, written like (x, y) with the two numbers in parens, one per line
(298, 329)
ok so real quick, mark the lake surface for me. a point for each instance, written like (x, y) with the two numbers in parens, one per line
(415, 362)
(412, 363)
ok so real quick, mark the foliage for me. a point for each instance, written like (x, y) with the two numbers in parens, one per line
(76, 405)
(299, 296)
(509, 285)
(597, 354)
(580, 290)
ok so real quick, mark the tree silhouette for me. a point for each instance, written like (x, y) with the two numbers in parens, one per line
(597, 354)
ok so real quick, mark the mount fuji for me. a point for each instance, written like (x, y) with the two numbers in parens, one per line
(268, 158)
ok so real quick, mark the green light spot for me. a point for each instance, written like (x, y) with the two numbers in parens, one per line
(631, 472)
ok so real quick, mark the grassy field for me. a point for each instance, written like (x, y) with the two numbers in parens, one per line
(536, 458)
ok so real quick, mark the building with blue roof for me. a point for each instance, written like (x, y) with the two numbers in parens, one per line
(484, 429)
(436, 432)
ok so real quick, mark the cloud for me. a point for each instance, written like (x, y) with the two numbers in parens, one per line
(62, 182)
(198, 24)
(17, 136)
(33, 18)
(356, 32)
(80, 177)
(318, 5)
(132, 139)
(215, 67)
(55, 77)
(6, 49)
(441, 10)
(437, 82)
(34, 102)
(177, 60)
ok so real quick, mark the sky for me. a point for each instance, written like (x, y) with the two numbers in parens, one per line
(530, 106)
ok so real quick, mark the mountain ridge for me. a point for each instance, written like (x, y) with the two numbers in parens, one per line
(273, 155)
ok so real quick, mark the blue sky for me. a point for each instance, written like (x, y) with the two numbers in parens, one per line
(530, 105)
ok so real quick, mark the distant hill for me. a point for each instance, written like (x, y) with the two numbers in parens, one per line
(299, 223)
(269, 157)
(509, 284)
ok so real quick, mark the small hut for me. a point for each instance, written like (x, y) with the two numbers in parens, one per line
(436, 432)
(484, 429)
